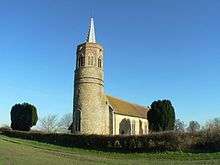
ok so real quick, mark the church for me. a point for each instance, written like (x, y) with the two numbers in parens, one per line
(94, 112)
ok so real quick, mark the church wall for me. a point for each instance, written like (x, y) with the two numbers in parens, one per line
(118, 118)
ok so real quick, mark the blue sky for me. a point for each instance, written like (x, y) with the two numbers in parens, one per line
(154, 49)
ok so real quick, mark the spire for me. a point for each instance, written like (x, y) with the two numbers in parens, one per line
(91, 32)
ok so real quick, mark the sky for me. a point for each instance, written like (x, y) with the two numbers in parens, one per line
(154, 49)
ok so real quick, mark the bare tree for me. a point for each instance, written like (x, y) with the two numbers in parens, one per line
(49, 123)
(65, 123)
(4, 127)
(193, 127)
(179, 126)
(213, 125)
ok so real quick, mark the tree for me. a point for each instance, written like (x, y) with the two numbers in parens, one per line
(161, 116)
(213, 125)
(49, 123)
(65, 123)
(193, 127)
(4, 127)
(23, 116)
(179, 126)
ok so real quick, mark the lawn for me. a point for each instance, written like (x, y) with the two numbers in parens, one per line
(21, 152)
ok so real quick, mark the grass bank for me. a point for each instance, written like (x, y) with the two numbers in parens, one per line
(22, 152)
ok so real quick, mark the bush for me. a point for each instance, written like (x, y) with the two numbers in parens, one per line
(5, 128)
(161, 116)
(23, 117)
(208, 141)
(156, 142)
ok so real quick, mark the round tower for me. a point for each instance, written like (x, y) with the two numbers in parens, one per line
(90, 108)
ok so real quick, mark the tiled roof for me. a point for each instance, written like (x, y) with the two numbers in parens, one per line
(126, 108)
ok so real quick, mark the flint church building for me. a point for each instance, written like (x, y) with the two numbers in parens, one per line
(94, 112)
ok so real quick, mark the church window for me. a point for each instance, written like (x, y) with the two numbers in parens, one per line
(89, 60)
(140, 128)
(133, 127)
(92, 60)
(99, 63)
(110, 121)
(95, 62)
(145, 128)
(78, 120)
(79, 63)
(82, 61)
(125, 127)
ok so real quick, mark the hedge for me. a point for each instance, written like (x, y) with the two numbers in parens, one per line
(156, 142)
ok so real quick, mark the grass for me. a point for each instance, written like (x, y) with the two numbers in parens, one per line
(21, 152)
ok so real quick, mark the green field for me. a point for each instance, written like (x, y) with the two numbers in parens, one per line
(21, 152)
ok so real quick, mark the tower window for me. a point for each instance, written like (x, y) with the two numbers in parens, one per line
(78, 120)
(89, 60)
(82, 61)
(95, 62)
(78, 62)
(99, 63)
(92, 60)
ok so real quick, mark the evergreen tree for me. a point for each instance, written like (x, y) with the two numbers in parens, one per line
(161, 116)
(23, 116)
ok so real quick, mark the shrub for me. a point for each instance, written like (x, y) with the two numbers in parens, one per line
(5, 128)
(23, 117)
(208, 141)
(161, 116)
(156, 142)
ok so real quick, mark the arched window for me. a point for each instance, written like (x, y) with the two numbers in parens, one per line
(89, 60)
(125, 127)
(99, 63)
(140, 128)
(110, 121)
(95, 62)
(145, 128)
(82, 61)
(78, 120)
(79, 62)
(133, 127)
(92, 60)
